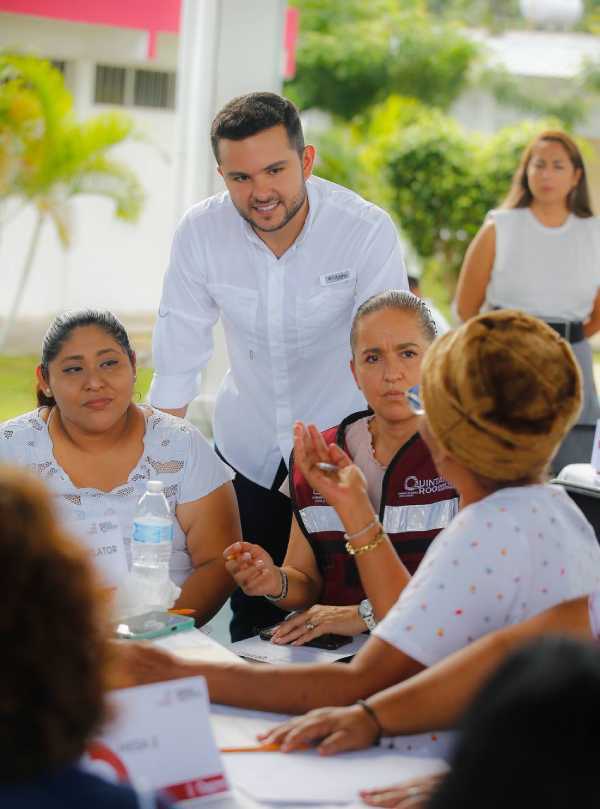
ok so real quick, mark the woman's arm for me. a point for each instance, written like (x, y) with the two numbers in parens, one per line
(475, 272)
(412, 707)
(305, 580)
(592, 324)
(382, 573)
(433, 699)
(210, 524)
(255, 572)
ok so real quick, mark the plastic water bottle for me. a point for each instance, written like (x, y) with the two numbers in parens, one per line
(151, 545)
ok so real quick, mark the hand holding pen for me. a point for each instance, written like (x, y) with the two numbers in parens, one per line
(252, 569)
(329, 470)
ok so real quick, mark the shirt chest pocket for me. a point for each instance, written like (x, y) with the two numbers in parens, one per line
(238, 308)
(325, 315)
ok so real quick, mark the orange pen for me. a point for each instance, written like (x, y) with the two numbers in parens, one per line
(273, 747)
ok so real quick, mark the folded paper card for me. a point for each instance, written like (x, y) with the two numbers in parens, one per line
(161, 739)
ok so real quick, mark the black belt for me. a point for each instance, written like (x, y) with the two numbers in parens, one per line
(572, 331)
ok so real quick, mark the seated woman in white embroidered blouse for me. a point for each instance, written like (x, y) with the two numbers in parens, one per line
(390, 334)
(96, 449)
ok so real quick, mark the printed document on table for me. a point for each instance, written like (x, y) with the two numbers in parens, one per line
(266, 652)
(308, 778)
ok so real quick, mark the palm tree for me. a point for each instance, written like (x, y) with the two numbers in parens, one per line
(47, 157)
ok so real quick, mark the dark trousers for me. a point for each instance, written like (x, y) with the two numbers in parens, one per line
(266, 517)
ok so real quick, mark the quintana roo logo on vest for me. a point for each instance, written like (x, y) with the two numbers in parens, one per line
(318, 498)
(415, 486)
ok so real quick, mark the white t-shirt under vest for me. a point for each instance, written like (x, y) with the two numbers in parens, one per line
(550, 272)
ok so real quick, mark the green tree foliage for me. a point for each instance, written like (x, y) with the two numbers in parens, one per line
(47, 157)
(352, 54)
(437, 179)
(502, 15)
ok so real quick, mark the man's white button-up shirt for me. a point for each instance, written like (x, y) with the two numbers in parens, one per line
(286, 321)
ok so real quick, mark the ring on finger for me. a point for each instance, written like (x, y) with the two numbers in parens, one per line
(310, 626)
(414, 791)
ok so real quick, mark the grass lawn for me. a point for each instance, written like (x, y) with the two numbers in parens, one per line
(17, 385)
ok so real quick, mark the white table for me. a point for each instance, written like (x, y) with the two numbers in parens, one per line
(238, 727)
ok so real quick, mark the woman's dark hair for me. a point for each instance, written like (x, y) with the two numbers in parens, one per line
(520, 196)
(401, 301)
(61, 329)
(530, 738)
(55, 651)
(250, 114)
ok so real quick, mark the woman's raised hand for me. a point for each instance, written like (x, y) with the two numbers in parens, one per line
(344, 488)
(252, 569)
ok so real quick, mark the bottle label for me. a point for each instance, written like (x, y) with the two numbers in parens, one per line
(152, 534)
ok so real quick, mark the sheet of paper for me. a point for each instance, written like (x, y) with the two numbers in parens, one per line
(195, 645)
(161, 738)
(239, 727)
(307, 778)
(104, 539)
(265, 652)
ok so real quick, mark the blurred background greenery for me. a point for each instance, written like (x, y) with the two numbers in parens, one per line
(385, 75)
(376, 81)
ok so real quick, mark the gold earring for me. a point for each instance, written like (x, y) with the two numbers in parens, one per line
(48, 392)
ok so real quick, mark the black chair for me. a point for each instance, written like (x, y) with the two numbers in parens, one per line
(587, 497)
(576, 448)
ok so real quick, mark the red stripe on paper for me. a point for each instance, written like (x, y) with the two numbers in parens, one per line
(197, 787)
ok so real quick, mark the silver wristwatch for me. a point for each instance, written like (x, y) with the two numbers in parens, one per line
(365, 610)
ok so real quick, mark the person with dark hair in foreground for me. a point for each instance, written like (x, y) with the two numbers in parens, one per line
(55, 662)
(284, 258)
(530, 737)
(96, 449)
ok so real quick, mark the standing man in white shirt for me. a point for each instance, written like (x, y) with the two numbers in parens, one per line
(284, 259)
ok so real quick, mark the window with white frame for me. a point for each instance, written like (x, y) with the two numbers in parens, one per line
(134, 87)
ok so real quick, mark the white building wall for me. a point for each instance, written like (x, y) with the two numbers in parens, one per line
(113, 264)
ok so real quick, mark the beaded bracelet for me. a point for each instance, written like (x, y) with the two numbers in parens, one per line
(362, 531)
(375, 543)
(372, 715)
(284, 587)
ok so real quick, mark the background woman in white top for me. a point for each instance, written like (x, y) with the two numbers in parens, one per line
(540, 252)
(96, 449)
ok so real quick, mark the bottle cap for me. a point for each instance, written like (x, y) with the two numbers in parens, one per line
(155, 486)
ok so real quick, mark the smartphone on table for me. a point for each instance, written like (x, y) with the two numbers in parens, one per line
(329, 641)
(153, 624)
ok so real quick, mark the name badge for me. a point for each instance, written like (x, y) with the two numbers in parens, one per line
(161, 739)
(335, 278)
(104, 540)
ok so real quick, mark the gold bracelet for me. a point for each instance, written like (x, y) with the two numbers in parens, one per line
(375, 543)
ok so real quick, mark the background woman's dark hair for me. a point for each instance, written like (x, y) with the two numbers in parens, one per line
(530, 738)
(250, 114)
(520, 196)
(60, 330)
(54, 656)
(401, 301)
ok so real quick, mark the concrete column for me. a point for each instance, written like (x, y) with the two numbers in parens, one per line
(226, 48)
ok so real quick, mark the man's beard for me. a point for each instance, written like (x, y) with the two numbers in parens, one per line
(290, 212)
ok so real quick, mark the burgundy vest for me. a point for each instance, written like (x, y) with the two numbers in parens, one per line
(416, 503)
